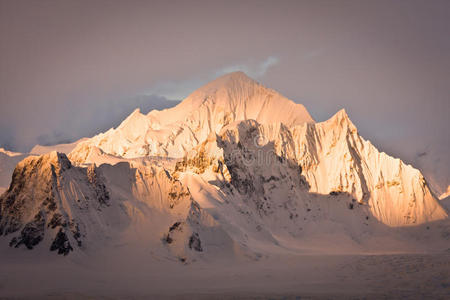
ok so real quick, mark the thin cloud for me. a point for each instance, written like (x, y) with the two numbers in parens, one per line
(254, 71)
(182, 88)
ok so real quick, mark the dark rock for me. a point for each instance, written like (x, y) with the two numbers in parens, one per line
(61, 243)
(168, 239)
(55, 221)
(75, 229)
(195, 243)
(32, 234)
(96, 181)
(175, 225)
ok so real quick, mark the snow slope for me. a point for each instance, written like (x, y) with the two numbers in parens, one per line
(433, 162)
(62, 148)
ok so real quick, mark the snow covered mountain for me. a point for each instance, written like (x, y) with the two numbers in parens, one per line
(235, 168)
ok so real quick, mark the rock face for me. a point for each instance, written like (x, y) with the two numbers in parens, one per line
(34, 204)
(252, 171)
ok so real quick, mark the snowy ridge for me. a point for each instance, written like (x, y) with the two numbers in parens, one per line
(173, 132)
(334, 159)
(62, 148)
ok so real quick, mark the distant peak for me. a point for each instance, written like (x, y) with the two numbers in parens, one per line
(135, 116)
(342, 113)
(56, 157)
(237, 75)
(136, 111)
(229, 81)
(341, 117)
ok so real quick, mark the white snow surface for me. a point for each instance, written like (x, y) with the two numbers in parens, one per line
(62, 148)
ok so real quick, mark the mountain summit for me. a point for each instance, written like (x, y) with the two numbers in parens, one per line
(172, 132)
(247, 99)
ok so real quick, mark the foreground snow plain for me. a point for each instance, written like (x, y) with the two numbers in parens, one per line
(307, 276)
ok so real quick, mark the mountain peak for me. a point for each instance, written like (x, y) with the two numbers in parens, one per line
(230, 81)
(341, 119)
(238, 76)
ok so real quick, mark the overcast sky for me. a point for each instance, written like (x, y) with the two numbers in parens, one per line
(67, 67)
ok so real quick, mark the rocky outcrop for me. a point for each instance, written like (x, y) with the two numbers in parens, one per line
(33, 206)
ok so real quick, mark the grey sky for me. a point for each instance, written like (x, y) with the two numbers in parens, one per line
(387, 62)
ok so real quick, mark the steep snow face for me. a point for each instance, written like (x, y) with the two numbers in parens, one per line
(332, 159)
(336, 159)
(173, 132)
(261, 199)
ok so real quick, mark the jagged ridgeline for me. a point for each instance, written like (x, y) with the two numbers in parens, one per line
(231, 168)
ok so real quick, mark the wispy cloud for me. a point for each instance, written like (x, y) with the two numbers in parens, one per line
(182, 88)
(253, 70)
